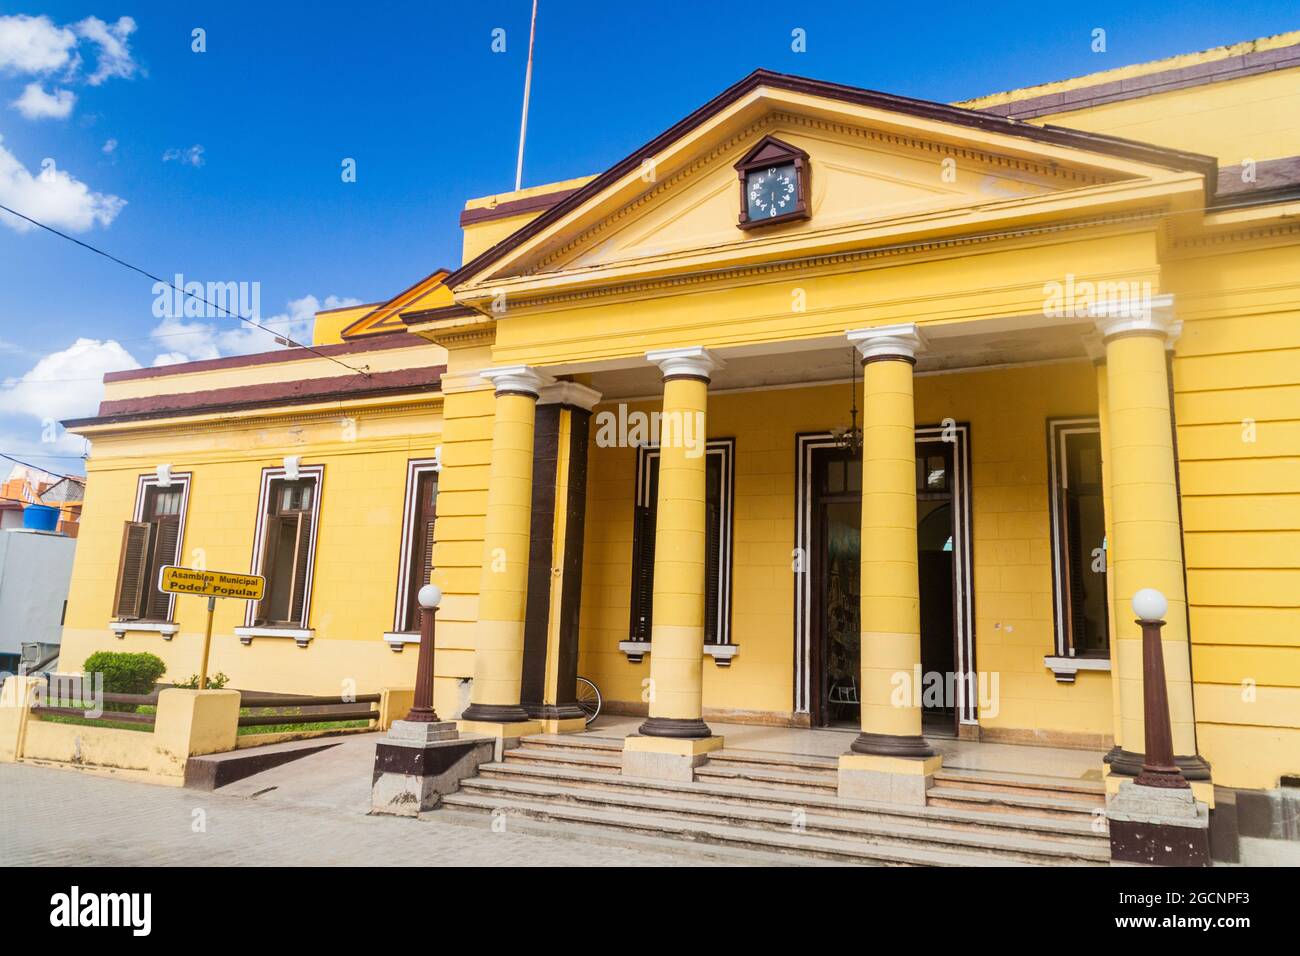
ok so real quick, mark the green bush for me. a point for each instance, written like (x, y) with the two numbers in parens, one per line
(215, 682)
(126, 673)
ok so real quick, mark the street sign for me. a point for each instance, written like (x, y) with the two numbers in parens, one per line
(213, 585)
(222, 584)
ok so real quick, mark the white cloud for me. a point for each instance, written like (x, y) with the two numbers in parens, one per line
(66, 384)
(35, 103)
(110, 146)
(186, 157)
(114, 51)
(190, 341)
(35, 45)
(52, 196)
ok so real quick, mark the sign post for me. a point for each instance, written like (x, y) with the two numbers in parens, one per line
(213, 584)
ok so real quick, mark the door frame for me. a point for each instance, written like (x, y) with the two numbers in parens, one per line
(967, 709)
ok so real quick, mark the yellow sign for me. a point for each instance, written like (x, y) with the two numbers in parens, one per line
(222, 584)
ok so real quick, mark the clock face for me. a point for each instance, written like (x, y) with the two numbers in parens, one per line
(772, 191)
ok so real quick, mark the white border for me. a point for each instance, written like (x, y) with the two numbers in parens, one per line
(182, 478)
(1058, 429)
(259, 528)
(415, 467)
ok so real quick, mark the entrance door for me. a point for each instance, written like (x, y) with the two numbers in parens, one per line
(835, 566)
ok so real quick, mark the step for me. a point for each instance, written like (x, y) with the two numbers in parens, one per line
(802, 844)
(560, 757)
(583, 742)
(733, 794)
(803, 781)
(1085, 791)
(1039, 805)
(763, 760)
(864, 829)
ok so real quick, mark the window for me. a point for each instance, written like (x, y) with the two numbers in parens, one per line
(1078, 538)
(417, 542)
(150, 541)
(719, 492)
(285, 546)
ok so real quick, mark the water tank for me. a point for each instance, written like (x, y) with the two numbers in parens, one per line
(40, 518)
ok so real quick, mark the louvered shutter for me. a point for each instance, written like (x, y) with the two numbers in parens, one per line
(133, 570)
(421, 557)
(643, 571)
(301, 565)
(269, 548)
(166, 542)
(712, 567)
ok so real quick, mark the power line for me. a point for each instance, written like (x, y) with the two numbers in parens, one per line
(28, 464)
(149, 275)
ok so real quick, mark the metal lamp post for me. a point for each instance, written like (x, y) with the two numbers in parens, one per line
(1158, 767)
(422, 707)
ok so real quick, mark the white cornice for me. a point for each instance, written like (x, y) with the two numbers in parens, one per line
(570, 393)
(517, 378)
(694, 360)
(903, 340)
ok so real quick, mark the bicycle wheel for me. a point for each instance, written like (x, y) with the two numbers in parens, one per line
(588, 698)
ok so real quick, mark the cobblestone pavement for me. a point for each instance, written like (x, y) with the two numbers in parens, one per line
(51, 816)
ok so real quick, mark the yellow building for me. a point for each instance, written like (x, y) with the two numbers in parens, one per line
(825, 406)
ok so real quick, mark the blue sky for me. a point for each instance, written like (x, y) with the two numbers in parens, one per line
(225, 165)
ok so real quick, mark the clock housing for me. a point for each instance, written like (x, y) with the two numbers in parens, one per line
(775, 184)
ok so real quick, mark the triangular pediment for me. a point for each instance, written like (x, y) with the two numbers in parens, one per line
(874, 165)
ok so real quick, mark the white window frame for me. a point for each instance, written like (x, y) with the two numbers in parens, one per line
(143, 484)
(415, 468)
(1058, 430)
(259, 532)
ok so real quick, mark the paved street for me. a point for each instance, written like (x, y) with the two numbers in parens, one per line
(52, 816)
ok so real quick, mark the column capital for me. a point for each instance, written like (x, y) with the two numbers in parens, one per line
(1095, 346)
(517, 378)
(888, 341)
(1150, 316)
(569, 393)
(695, 361)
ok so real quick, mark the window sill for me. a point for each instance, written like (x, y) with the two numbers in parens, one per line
(165, 628)
(635, 650)
(1065, 668)
(399, 639)
(722, 653)
(302, 636)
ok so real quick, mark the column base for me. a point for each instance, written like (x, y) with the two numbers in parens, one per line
(1203, 790)
(412, 776)
(676, 728)
(495, 713)
(558, 718)
(667, 758)
(570, 725)
(1158, 826)
(877, 779)
(506, 735)
(891, 745)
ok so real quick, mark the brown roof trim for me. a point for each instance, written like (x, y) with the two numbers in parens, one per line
(442, 312)
(1165, 81)
(515, 207)
(1270, 175)
(376, 344)
(413, 291)
(248, 397)
(942, 112)
(346, 308)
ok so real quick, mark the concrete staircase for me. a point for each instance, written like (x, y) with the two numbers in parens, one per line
(772, 803)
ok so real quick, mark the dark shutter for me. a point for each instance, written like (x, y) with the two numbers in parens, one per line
(643, 572)
(1075, 571)
(166, 542)
(133, 570)
(421, 557)
(301, 564)
(269, 549)
(712, 568)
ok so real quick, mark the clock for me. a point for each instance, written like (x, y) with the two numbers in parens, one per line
(773, 184)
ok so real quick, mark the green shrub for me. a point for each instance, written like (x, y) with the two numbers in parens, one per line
(126, 673)
(215, 682)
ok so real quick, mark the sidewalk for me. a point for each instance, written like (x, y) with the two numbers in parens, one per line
(64, 817)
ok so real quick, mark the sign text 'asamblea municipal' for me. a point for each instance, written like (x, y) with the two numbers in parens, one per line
(222, 584)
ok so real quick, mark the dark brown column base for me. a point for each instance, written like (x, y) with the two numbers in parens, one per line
(888, 745)
(554, 711)
(495, 713)
(1158, 844)
(1126, 763)
(675, 727)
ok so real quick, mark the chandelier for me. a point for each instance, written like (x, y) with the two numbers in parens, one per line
(850, 437)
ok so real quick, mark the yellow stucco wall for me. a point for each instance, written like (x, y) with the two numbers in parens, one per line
(355, 582)
(1007, 410)
(1237, 400)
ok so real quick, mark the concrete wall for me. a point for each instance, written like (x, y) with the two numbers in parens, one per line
(35, 572)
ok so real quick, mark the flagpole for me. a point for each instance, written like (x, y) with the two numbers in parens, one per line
(528, 83)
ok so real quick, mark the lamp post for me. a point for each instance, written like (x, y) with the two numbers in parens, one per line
(1158, 767)
(422, 707)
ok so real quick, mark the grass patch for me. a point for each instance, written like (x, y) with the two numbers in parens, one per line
(295, 728)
